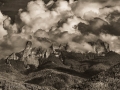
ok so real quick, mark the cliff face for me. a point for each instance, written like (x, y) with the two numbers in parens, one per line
(32, 56)
(57, 74)
(28, 55)
(100, 47)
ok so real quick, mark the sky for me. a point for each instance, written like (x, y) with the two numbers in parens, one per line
(72, 22)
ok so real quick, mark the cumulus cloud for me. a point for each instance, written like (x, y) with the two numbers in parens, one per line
(74, 23)
(11, 29)
(38, 16)
(82, 7)
(70, 24)
(80, 47)
(2, 30)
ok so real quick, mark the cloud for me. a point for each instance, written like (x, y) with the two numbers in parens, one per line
(70, 24)
(80, 47)
(113, 29)
(114, 41)
(94, 26)
(41, 33)
(37, 15)
(10, 44)
(83, 6)
(2, 30)
(74, 24)
(11, 29)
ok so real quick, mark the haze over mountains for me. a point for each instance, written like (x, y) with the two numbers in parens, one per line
(59, 44)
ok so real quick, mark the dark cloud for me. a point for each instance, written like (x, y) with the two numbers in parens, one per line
(11, 7)
(98, 26)
(113, 28)
(95, 26)
(100, 1)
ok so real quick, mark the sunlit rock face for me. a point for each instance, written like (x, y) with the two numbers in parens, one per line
(57, 50)
(13, 56)
(28, 55)
(31, 55)
(27, 51)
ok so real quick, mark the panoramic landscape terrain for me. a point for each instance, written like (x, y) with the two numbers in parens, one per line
(59, 45)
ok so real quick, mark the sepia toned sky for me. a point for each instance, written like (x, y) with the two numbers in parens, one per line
(75, 22)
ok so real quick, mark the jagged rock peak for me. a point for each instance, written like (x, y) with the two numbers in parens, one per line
(100, 47)
(28, 44)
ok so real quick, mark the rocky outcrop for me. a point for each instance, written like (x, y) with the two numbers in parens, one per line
(28, 56)
(100, 47)
(31, 56)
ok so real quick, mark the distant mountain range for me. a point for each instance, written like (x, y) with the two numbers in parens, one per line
(76, 71)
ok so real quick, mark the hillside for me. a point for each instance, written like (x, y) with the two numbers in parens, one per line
(106, 80)
(72, 73)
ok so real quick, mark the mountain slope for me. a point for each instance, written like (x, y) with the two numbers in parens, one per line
(106, 80)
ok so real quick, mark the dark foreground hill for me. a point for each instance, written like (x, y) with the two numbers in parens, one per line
(77, 72)
(106, 80)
